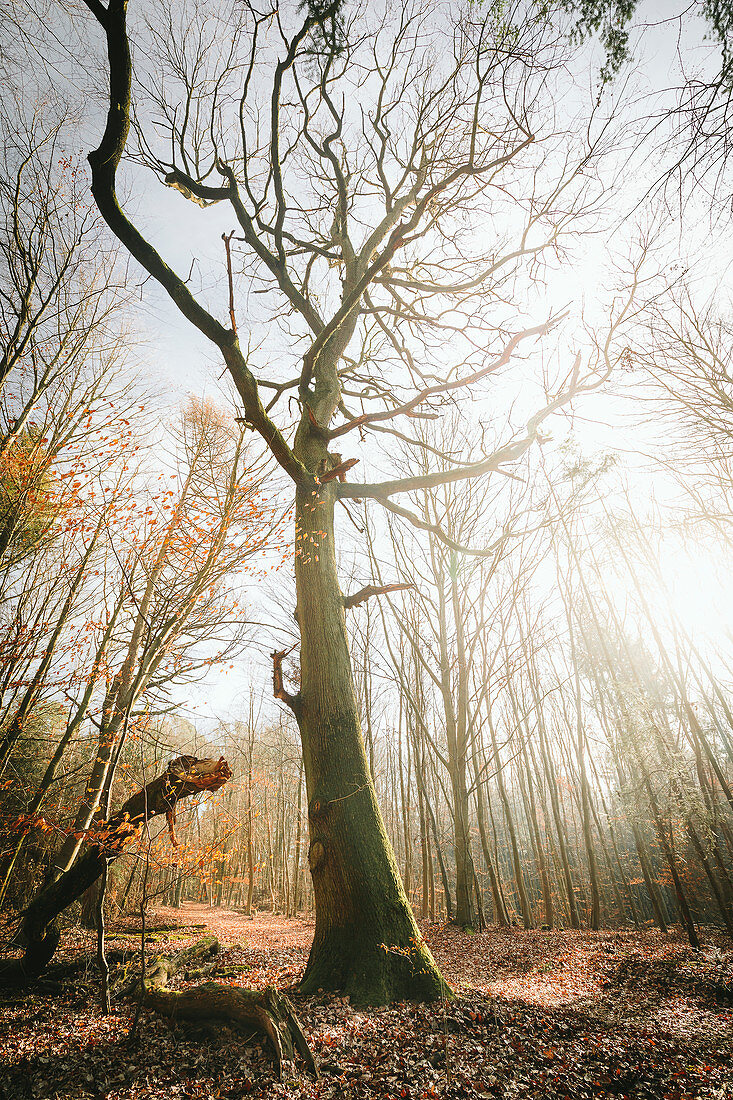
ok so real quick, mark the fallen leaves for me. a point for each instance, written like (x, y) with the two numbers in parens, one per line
(540, 1014)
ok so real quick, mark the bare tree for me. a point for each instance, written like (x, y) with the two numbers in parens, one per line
(368, 161)
(171, 587)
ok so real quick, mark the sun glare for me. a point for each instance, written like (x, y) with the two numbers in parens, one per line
(688, 591)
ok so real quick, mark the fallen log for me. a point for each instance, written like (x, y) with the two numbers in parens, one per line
(189, 962)
(39, 931)
(265, 1010)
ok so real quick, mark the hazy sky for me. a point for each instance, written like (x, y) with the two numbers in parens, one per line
(176, 360)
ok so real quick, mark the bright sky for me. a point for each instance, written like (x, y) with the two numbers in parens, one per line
(179, 361)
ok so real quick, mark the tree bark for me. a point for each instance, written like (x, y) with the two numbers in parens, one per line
(265, 1010)
(366, 941)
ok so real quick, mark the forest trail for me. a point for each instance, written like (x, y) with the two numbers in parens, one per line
(270, 930)
(540, 1014)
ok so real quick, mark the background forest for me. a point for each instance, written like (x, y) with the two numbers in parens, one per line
(548, 721)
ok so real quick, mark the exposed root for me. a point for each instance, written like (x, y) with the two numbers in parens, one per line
(265, 1010)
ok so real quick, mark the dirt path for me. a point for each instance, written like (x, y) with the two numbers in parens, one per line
(267, 930)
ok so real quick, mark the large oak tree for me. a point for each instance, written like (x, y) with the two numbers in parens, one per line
(388, 170)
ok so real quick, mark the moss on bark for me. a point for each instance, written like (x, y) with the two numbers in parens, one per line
(367, 943)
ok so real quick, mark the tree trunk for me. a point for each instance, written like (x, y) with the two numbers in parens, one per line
(296, 858)
(509, 818)
(465, 914)
(551, 779)
(500, 914)
(405, 806)
(366, 941)
(531, 814)
(250, 841)
(419, 739)
(457, 726)
(594, 917)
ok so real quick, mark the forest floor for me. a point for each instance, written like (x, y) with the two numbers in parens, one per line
(539, 1014)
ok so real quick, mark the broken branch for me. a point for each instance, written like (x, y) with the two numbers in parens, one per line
(338, 471)
(370, 590)
(183, 777)
(278, 687)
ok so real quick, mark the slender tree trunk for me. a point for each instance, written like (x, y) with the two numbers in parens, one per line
(250, 841)
(102, 963)
(500, 914)
(551, 780)
(405, 808)
(620, 873)
(270, 859)
(531, 810)
(298, 831)
(448, 898)
(594, 919)
(424, 855)
(524, 906)
(419, 736)
(682, 903)
(458, 726)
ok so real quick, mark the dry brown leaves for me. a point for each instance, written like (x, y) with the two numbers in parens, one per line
(540, 1014)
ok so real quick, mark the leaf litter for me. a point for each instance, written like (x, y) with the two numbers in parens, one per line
(623, 1014)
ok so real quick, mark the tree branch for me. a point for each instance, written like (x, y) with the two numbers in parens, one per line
(445, 387)
(278, 687)
(434, 529)
(183, 777)
(370, 590)
(104, 162)
(511, 452)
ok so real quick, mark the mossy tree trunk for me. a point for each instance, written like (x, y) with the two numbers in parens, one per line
(366, 941)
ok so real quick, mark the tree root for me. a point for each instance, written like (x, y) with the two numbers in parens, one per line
(265, 1010)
